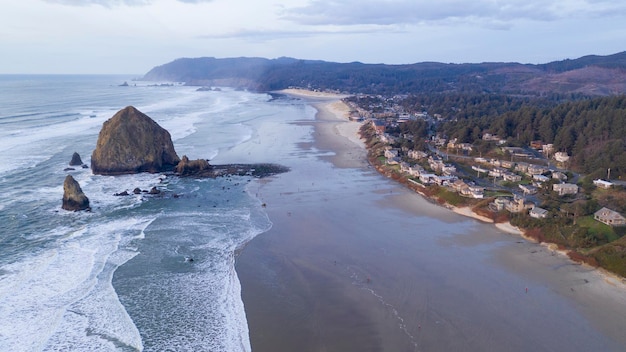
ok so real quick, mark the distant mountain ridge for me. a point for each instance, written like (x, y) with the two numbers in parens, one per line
(591, 75)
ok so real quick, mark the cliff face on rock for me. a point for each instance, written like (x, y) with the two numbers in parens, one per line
(73, 197)
(131, 142)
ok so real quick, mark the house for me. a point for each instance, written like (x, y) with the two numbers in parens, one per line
(481, 160)
(436, 163)
(511, 177)
(444, 180)
(540, 178)
(458, 185)
(602, 184)
(521, 167)
(515, 206)
(536, 169)
(466, 146)
(557, 175)
(565, 188)
(495, 162)
(473, 192)
(416, 154)
(561, 157)
(391, 153)
(499, 203)
(507, 164)
(490, 137)
(497, 172)
(528, 189)
(379, 126)
(547, 149)
(536, 144)
(480, 169)
(448, 169)
(416, 170)
(427, 178)
(538, 213)
(609, 217)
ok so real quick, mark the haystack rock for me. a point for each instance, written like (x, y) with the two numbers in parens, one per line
(73, 197)
(131, 142)
(76, 160)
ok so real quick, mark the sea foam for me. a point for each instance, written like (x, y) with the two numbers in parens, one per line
(67, 288)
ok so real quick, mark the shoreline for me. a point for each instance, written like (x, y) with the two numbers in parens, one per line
(306, 282)
(341, 112)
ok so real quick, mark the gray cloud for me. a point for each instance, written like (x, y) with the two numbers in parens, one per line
(485, 12)
(260, 35)
(113, 3)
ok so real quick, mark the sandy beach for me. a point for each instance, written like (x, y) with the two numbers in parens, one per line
(357, 262)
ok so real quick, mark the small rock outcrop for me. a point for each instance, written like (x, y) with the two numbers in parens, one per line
(73, 197)
(131, 142)
(75, 160)
(188, 167)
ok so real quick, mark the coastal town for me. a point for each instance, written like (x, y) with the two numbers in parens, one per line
(530, 187)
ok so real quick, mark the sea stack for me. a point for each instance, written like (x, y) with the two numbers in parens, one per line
(188, 167)
(131, 142)
(73, 197)
(76, 160)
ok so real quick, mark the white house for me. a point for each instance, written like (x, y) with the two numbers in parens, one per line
(565, 188)
(561, 157)
(602, 184)
(538, 213)
(609, 217)
(540, 178)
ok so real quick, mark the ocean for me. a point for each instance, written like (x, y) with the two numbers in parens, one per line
(120, 278)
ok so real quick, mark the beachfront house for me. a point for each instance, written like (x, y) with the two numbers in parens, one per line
(472, 192)
(427, 178)
(499, 203)
(391, 153)
(609, 217)
(538, 213)
(416, 170)
(565, 188)
(379, 126)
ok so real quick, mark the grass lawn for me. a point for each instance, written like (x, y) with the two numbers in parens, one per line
(597, 228)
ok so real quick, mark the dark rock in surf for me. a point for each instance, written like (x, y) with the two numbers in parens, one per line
(73, 197)
(188, 167)
(131, 142)
(76, 160)
(154, 190)
(137, 190)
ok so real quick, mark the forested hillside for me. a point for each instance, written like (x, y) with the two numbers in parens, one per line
(552, 102)
(593, 131)
(589, 75)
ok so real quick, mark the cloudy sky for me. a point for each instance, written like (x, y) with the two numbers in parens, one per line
(132, 36)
